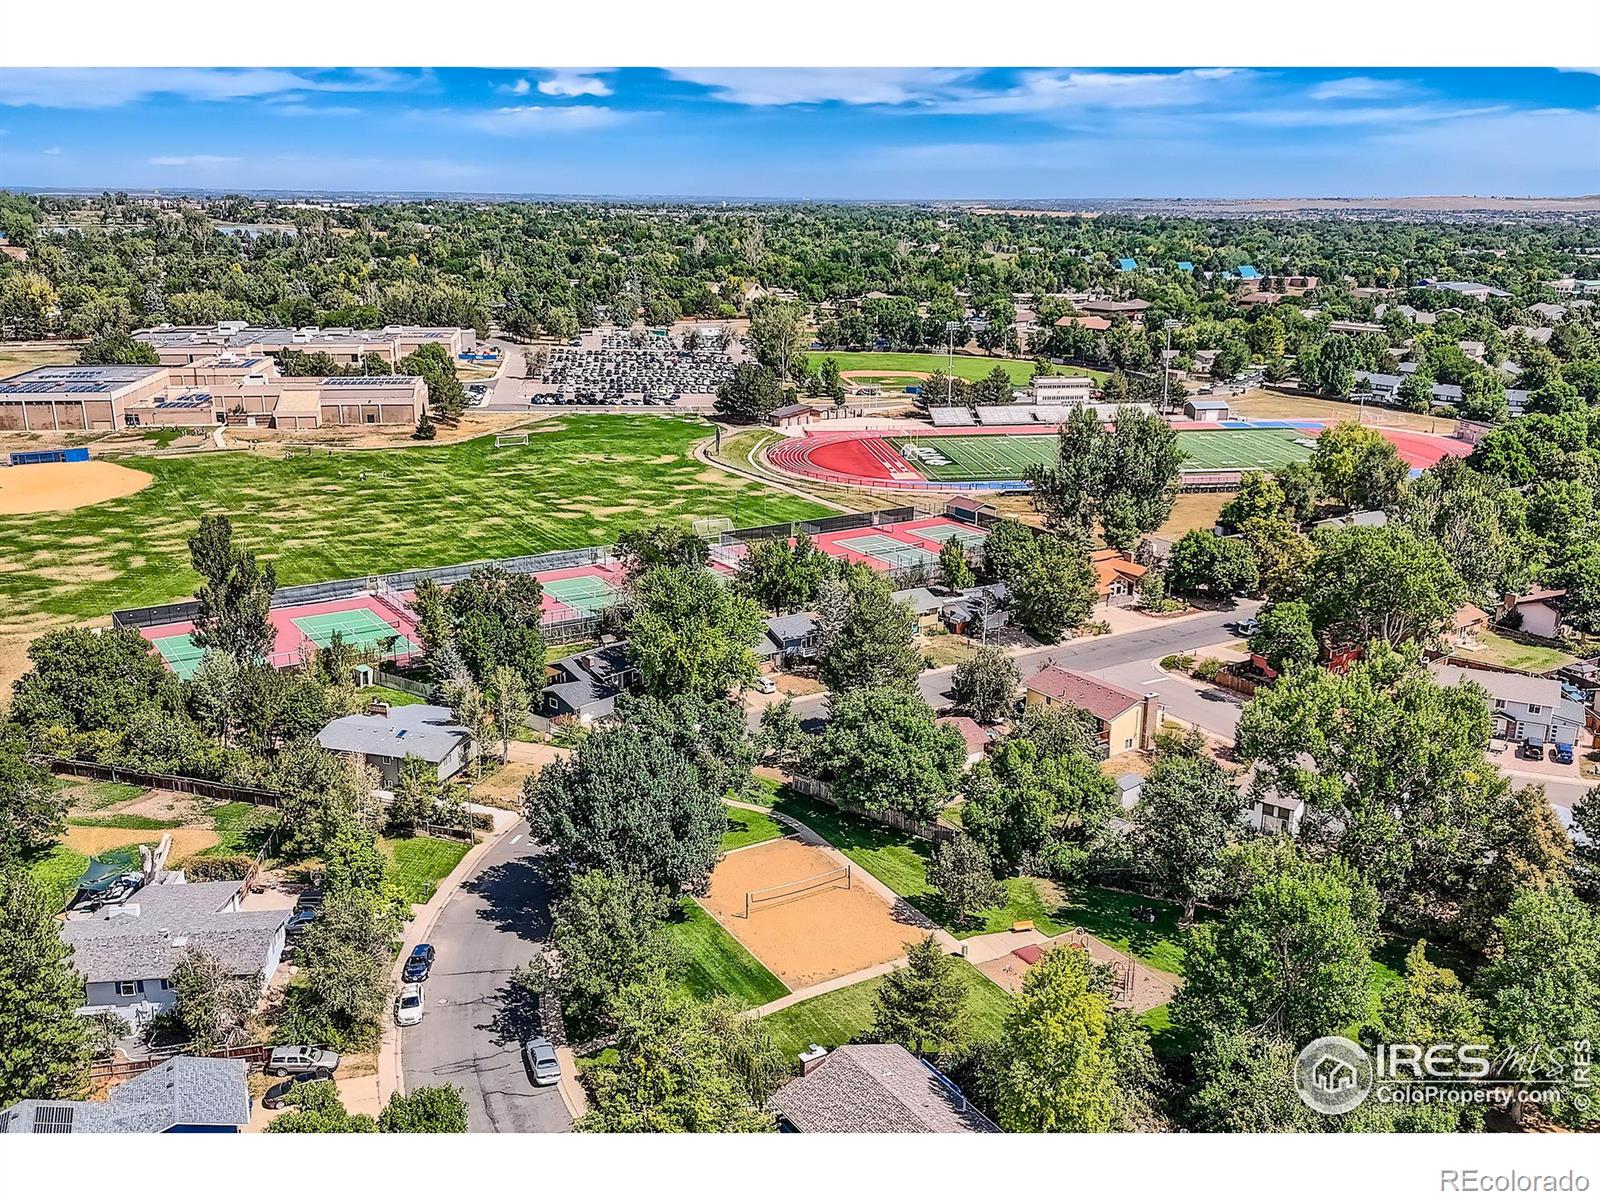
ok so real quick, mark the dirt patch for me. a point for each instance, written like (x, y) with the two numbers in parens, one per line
(1150, 988)
(61, 487)
(186, 843)
(813, 937)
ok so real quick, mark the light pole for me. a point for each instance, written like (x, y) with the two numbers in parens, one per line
(1168, 325)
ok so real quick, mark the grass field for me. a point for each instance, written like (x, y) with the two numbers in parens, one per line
(1518, 656)
(841, 1016)
(579, 482)
(746, 827)
(716, 965)
(57, 875)
(965, 366)
(417, 864)
(998, 456)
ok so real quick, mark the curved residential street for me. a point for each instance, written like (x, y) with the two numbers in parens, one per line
(492, 925)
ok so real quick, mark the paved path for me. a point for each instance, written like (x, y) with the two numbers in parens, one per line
(487, 928)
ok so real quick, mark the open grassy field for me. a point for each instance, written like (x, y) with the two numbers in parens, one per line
(331, 515)
(714, 964)
(840, 1016)
(14, 358)
(964, 366)
(1518, 656)
(746, 827)
(417, 864)
(57, 873)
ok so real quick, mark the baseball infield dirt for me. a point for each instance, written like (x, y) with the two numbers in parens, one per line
(58, 487)
(813, 937)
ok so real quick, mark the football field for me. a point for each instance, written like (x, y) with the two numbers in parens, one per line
(1001, 456)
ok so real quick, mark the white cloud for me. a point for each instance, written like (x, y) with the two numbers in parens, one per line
(767, 86)
(192, 160)
(1050, 91)
(109, 87)
(573, 83)
(520, 88)
(545, 118)
(1395, 115)
(1358, 87)
(51, 150)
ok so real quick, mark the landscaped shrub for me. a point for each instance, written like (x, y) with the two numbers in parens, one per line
(218, 867)
(1177, 662)
(1208, 669)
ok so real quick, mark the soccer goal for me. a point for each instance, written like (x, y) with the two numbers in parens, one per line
(784, 892)
(710, 527)
(510, 439)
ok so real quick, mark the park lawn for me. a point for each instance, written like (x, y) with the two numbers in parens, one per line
(417, 864)
(713, 964)
(900, 861)
(964, 366)
(394, 696)
(92, 795)
(1108, 915)
(1518, 656)
(747, 827)
(841, 1016)
(124, 821)
(57, 875)
(580, 481)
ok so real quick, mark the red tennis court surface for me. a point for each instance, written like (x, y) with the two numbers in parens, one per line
(865, 458)
(881, 547)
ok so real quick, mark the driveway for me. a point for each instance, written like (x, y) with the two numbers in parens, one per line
(489, 928)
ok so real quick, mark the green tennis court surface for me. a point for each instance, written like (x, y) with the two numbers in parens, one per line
(945, 530)
(359, 627)
(586, 593)
(1004, 456)
(182, 655)
(887, 549)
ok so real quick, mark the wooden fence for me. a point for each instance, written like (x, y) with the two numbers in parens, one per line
(109, 773)
(116, 1068)
(818, 790)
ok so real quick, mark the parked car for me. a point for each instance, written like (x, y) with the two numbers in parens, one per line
(1563, 753)
(1533, 748)
(418, 965)
(408, 1005)
(1249, 627)
(540, 1057)
(765, 686)
(276, 1096)
(297, 923)
(296, 1060)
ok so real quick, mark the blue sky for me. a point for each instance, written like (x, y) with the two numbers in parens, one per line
(831, 133)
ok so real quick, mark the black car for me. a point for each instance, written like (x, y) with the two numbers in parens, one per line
(418, 965)
(297, 924)
(276, 1096)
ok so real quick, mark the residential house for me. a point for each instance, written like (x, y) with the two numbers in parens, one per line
(183, 1095)
(790, 638)
(1133, 310)
(1259, 299)
(1538, 613)
(1465, 288)
(127, 953)
(1084, 321)
(1523, 706)
(1468, 622)
(1124, 720)
(1356, 328)
(924, 606)
(1372, 519)
(585, 686)
(873, 1088)
(384, 740)
(974, 736)
(1116, 576)
(976, 611)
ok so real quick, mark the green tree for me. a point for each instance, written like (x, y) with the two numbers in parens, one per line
(508, 704)
(1286, 638)
(866, 637)
(784, 577)
(212, 1002)
(781, 740)
(1292, 959)
(1371, 584)
(606, 933)
(629, 803)
(494, 617)
(113, 347)
(986, 684)
(1053, 590)
(682, 1067)
(960, 871)
(86, 680)
(749, 395)
(235, 595)
(711, 734)
(1029, 795)
(689, 633)
(1203, 562)
(1126, 478)
(1359, 467)
(954, 569)
(32, 809)
(437, 1109)
(318, 1108)
(1067, 1063)
(663, 544)
(777, 337)
(45, 1053)
(1187, 816)
(883, 749)
(341, 995)
(923, 1004)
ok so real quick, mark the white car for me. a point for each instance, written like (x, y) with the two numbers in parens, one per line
(765, 686)
(408, 1005)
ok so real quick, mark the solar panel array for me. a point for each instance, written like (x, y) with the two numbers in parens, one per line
(198, 400)
(52, 1118)
(367, 380)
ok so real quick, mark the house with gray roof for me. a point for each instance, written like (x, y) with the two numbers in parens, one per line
(383, 741)
(873, 1089)
(789, 638)
(182, 1095)
(585, 686)
(1523, 706)
(127, 953)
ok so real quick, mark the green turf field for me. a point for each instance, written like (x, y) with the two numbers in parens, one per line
(999, 456)
(580, 481)
(965, 366)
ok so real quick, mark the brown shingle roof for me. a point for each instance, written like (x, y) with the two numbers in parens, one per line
(1104, 700)
(875, 1089)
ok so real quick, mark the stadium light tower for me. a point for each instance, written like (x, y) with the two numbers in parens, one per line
(1168, 325)
(950, 328)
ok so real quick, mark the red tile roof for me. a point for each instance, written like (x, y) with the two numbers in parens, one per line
(1104, 700)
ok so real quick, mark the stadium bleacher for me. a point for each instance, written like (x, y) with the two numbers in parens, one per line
(948, 416)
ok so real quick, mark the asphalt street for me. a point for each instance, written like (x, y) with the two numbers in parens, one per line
(470, 1036)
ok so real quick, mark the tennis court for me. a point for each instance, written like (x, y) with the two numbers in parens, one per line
(943, 531)
(887, 549)
(360, 627)
(586, 593)
(182, 655)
